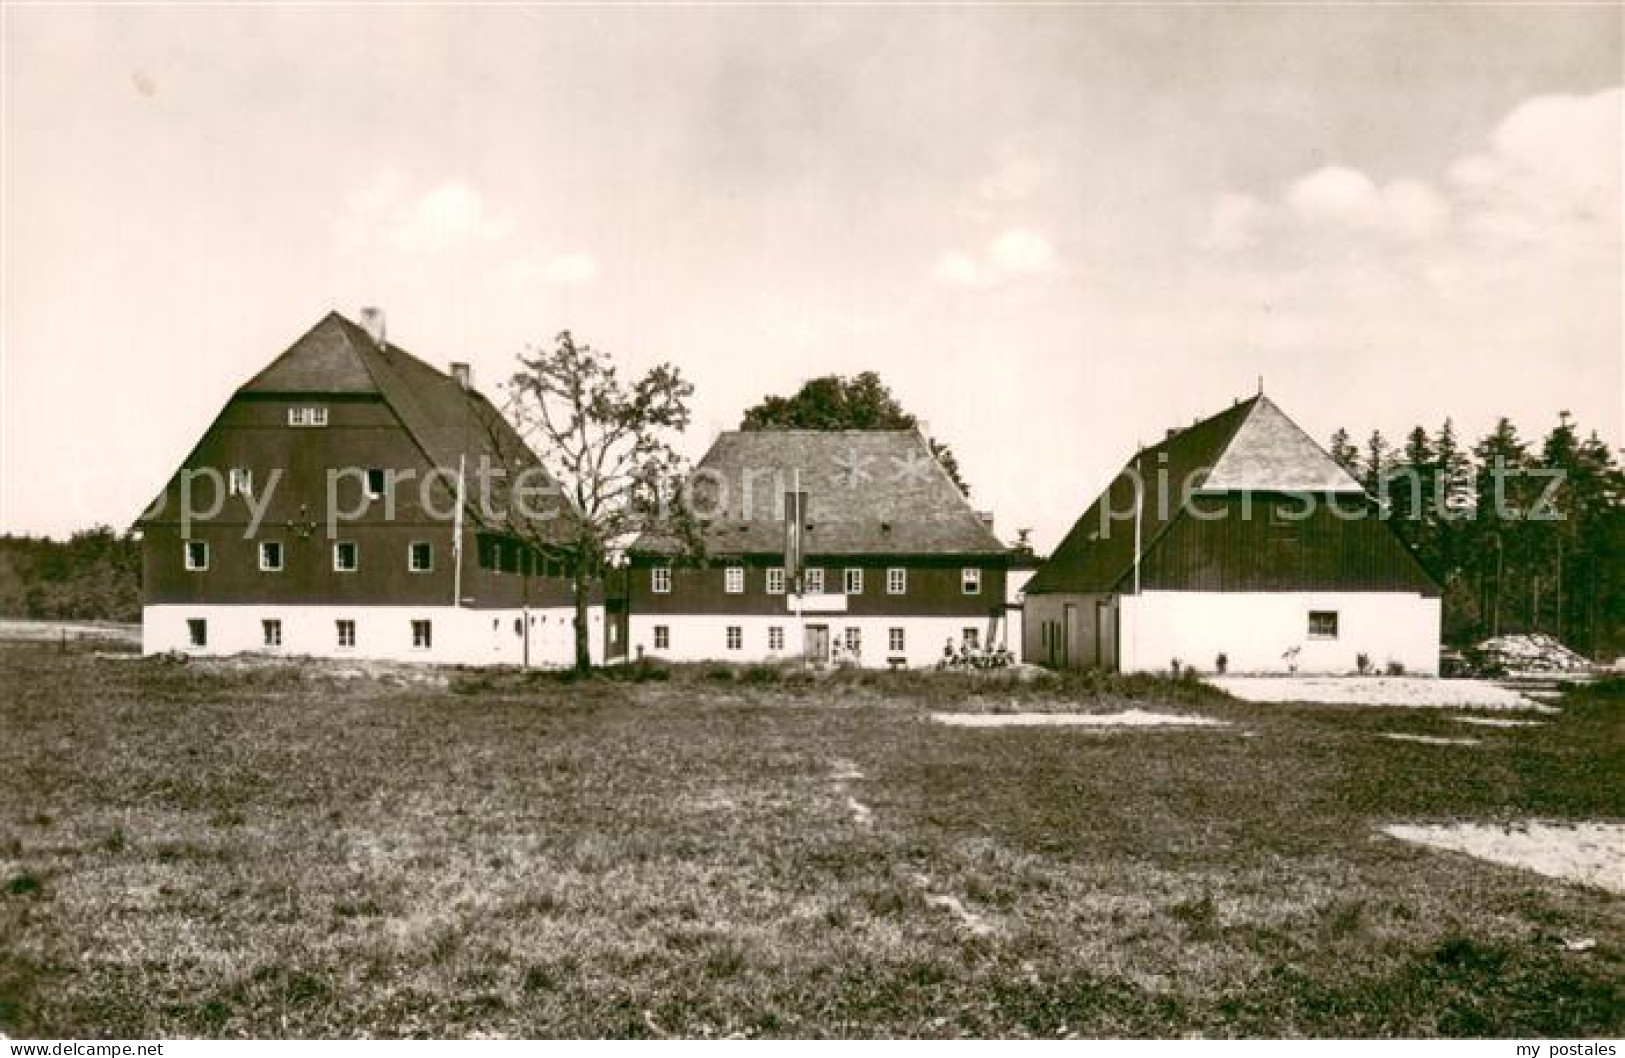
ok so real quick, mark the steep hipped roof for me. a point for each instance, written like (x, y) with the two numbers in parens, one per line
(448, 421)
(869, 492)
(1249, 447)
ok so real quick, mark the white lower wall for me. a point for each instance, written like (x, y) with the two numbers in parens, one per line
(459, 635)
(1257, 629)
(703, 637)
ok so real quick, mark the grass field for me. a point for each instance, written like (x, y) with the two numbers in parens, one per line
(219, 850)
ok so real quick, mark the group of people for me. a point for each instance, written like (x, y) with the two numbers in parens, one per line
(970, 655)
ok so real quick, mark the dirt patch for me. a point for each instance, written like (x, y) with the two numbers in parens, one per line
(1429, 740)
(1497, 721)
(1126, 718)
(1588, 853)
(1412, 692)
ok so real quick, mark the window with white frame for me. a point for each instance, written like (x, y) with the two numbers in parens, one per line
(346, 632)
(775, 580)
(897, 581)
(271, 632)
(660, 580)
(733, 580)
(346, 556)
(895, 640)
(422, 635)
(197, 555)
(736, 637)
(240, 481)
(1322, 624)
(420, 556)
(970, 581)
(271, 556)
(377, 482)
(813, 582)
(853, 638)
(854, 582)
(307, 415)
(662, 637)
(775, 637)
(197, 631)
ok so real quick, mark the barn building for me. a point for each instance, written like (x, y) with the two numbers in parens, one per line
(1235, 544)
(895, 562)
(352, 501)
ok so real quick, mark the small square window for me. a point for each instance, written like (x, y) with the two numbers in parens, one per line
(662, 637)
(854, 582)
(346, 633)
(197, 631)
(240, 481)
(972, 638)
(814, 582)
(853, 637)
(775, 638)
(775, 580)
(660, 580)
(733, 580)
(970, 581)
(422, 635)
(197, 555)
(307, 416)
(897, 581)
(346, 556)
(895, 640)
(271, 633)
(736, 637)
(377, 482)
(420, 556)
(271, 556)
(1322, 624)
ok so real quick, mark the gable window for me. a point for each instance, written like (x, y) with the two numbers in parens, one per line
(895, 640)
(1322, 624)
(197, 555)
(814, 582)
(854, 582)
(422, 635)
(662, 637)
(420, 556)
(970, 581)
(307, 416)
(346, 556)
(271, 556)
(660, 580)
(240, 481)
(736, 637)
(733, 580)
(897, 581)
(346, 633)
(376, 483)
(775, 637)
(775, 580)
(197, 631)
(271, 633)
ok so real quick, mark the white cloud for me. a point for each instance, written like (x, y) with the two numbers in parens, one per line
(392, 214)
(1016, 179)
(1013, 252)
(563, 270)
(1346, 197)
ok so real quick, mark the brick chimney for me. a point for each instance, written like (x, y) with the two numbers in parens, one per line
(463, 374)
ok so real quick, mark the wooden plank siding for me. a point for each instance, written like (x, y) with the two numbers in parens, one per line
(1263, 552)
(933, 589)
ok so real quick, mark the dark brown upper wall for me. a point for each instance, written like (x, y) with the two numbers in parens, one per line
(933, 588)
(1320, 553)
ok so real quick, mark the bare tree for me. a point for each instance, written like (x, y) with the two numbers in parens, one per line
(607, 446)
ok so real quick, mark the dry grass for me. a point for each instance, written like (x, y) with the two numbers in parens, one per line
(224, 850)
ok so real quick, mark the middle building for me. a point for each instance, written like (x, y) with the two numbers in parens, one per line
(834, 545)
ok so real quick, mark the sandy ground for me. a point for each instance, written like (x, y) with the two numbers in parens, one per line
(1128, 718)
(1412, 691)
(1429, 740)
(17, 630)
(1496, 721)
(1588, 853)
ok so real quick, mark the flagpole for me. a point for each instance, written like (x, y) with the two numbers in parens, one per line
(801, 616)
(457, 538)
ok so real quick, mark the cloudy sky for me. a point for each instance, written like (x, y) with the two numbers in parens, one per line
(1054, 231)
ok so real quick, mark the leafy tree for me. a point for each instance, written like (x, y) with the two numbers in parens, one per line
(834, 402)
(608, 446)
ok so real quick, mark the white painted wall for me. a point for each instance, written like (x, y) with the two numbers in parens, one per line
(1255, 629)
(460, 635)
(703, 637)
